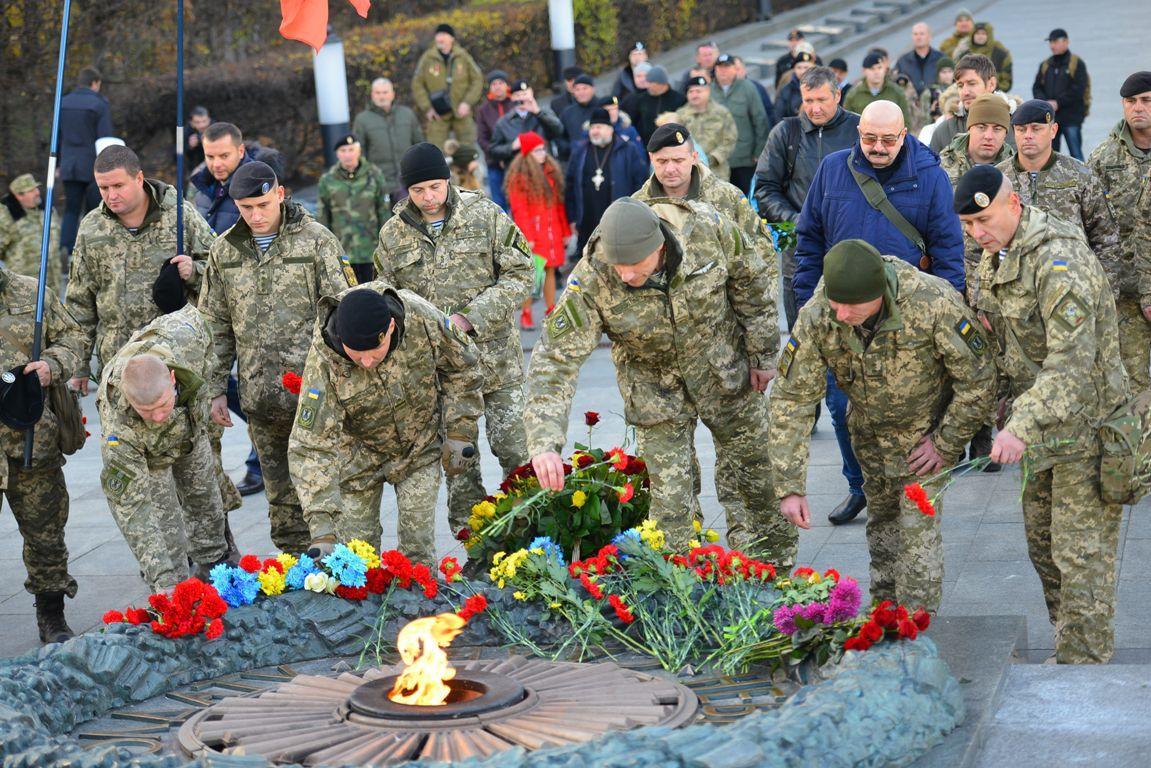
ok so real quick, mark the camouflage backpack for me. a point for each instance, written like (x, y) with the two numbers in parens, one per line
(1125, 464)
(1071, 67)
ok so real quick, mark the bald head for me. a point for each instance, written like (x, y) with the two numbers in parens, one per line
(881, 117)
(149, 387)
(881, 133)
(921, 37)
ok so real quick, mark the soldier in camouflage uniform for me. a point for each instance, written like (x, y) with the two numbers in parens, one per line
(159, 466)
(688, 305)
(38, 496)
(1122, 163)
(448, 70)
(918, 375)
(459, 251)
(353, 202)
(264, 278)
(1053, 312)
(21, 230)
(677, 175)
(386, 372)
(710, 124)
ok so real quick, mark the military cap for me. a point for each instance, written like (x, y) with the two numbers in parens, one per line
(638, 47)
(609, 101)
(423, 162)
(989, 109)
(252, 180)
(520, 85)
(977, 188)
(871, 59)
(668, 135)
(362, 319)
(584, 79)
(901, 78)
(629, 232)
(1057, 34)
(25, 182)
(497, 74)
(21, 398)
(447, 28)
(808, 57)
(795, 34)
(839, 64)
(168, 290)
(853, 273)
(980, 26)
(696, 82)
(571, 73)
(1033, 111)
(599, 116)
(725, 60)
(944, 62)
(657, 74)
(964, 14)
(347, 140)
(1138, 83)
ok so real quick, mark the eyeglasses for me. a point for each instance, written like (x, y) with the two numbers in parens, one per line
(889, 140)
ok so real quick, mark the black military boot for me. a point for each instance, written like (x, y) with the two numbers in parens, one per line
(251, 484)
(981, 446)
(50, 618)
(848, 509)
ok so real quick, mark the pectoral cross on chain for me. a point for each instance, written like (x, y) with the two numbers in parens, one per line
(597, 179)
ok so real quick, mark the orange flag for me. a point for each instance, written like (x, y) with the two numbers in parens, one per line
(307, 20)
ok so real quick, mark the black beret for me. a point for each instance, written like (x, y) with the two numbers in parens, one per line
(807, 56)
(347, 140)
(609, 101)
(725, 59)
(1138, 83)
(362, 318)
(445, 28)
(423, 162)
(697, 81)
(584, 80)
(871, 59)
(21, 398)
(980, 25)
(497, 74)
(571, 73)
(599, 116)
(977, 188)
(520, 85)
(668, 135)
(1033, 111)
(252, 180)
(168, 290)
(839, 64)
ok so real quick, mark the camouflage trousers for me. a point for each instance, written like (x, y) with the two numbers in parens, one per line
(228, 493)
(362, 488)
(270, 439)
(39, 501)
(504, 417)
(1073, 540)
(167, 511)
(739, 426)
(905, 545)
(464, 128)
(734, 510)
(1134, 343)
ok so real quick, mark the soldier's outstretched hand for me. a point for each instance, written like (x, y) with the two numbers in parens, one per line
(220, 413)
(549, 469)
(1007, 448)
(795, 509)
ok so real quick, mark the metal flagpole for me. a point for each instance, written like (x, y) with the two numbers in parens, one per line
(179, 127)
(50, 184)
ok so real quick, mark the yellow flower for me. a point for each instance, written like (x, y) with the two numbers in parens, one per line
(652, 536)
(499, 557)
(694, 544)
(499, 496)
(553, 605)
(366, 552)
(484, 510)
(697, 526)
(286, 560)
(271, 582)
(504, 567)
(538, 551)
(519, 596)
(711, 535)
(579, 498)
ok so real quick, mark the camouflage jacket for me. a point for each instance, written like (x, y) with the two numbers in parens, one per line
(261, 307)
(110, 285)
(183, 341)
(354, 205)
(21, 231)
(63, 341)
(1054, 315)
(706, 187)
(460, 77)
(429, 381)
(1070, 190)
(1125, 173)
(927, 369)
(714, 129)
(686, 338)
(479, 265)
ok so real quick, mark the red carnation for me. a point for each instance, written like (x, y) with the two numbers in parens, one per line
(626, 493)
(272, 562)
(871, 632)
(250, 563)
(593, 589)
(351, 593)
(215, 629)
(856, 644)
(591, 418)
(137, 616)
(473, 606)
(915, 493)
(618, 458)
(450, 568)
(908, 629)
(922, 619)
(831, 573)
(378, 580)
(621, 610)
(113, 617)
(292, 382)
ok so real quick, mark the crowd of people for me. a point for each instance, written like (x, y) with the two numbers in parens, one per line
(936, 291)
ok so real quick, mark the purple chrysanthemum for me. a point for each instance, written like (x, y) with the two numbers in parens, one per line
(844, 601)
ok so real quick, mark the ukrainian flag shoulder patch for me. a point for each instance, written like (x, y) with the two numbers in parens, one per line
(1058, 265)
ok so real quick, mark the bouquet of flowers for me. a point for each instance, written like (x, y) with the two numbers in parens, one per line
(193, 608)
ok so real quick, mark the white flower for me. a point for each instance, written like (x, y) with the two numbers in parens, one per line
(319, 582)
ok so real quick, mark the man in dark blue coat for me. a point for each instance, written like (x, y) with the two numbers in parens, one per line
(84, 117)
(909, 175)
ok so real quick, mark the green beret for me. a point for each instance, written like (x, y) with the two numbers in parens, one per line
(977, 188)
(629, 232)
(853, 273)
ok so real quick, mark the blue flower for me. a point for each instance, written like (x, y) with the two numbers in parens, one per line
(236, 586)
(348, 567)
(629, 539)
(550, 548)
(303, 568)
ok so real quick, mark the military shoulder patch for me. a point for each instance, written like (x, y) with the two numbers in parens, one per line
(117, 478)
(349, 273)
(563, 320)
(788, 356)
(310, 403)
(971, 336)
(1058, 265)
(1071, 311)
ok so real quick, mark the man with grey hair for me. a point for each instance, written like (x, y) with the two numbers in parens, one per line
(386, 130)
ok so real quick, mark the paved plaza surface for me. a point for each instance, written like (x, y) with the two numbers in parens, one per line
(987, 570)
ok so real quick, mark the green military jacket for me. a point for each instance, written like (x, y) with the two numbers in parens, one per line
(686, 339)
(714, 129)
(743, 102)
(354, 205)
(1070, 190)
(1054, 315)
(706, 187)
(1125, 174)
(428, 382)
(432, 74)
(479, 265)
(385, 137)
(110, 284)
(62, 343)
(183, 341)
(927, 370)
(20, 236)
(261, 307)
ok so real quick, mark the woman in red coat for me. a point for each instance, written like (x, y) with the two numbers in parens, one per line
(535, 187)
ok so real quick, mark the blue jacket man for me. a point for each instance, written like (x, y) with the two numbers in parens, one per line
(835, 209)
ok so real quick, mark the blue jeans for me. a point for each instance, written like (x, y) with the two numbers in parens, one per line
(837, 406)
(496, 187)
(253, 461)
(1074, 136)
